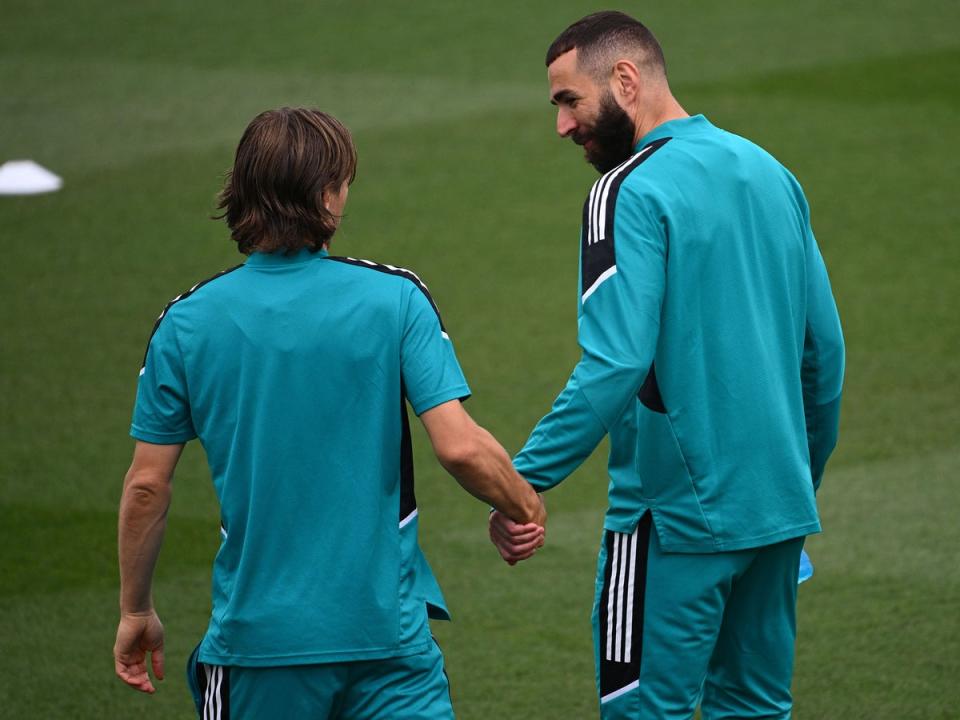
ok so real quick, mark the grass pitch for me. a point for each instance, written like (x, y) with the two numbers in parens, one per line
(139, 107)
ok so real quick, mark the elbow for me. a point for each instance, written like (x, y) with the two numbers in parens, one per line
(460, 457)
(144, 490)
(836, 353)
(837, 368)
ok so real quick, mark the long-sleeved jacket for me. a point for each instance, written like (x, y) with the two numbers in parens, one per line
(712, 348)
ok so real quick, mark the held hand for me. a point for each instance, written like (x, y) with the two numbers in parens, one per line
(515, 542)
(138, 634)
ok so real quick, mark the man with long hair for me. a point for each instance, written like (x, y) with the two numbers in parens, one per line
(295, 370)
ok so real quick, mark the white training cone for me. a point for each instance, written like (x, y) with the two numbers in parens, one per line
(25, 177)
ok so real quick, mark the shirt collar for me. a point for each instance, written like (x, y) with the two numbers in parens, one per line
(676, 128)
(280, 259)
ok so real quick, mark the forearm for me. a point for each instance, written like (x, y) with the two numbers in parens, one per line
(487, 473)
(143, 519)
(568, 434)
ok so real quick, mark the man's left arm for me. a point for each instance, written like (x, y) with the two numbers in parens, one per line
(823, 363)
(143, 518)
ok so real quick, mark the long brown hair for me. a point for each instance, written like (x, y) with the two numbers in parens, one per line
(273, 197)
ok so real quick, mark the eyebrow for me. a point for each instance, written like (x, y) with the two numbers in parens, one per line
(563, 96)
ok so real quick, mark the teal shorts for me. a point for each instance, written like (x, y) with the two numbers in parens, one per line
(413, 687)
(674, 630)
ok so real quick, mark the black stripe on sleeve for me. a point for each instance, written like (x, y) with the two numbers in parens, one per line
(597, 248)
(392, 270)
(178, 298)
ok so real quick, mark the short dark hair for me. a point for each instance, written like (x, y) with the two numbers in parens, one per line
(272, 199)
(601, 36)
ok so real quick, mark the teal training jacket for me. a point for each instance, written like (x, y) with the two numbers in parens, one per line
(712, 352)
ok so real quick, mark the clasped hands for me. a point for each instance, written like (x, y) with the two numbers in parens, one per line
(517, 541)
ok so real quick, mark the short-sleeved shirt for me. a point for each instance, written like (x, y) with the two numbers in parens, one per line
(712, 350)
(295, 373)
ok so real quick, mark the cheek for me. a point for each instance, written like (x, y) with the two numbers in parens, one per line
(586, 119)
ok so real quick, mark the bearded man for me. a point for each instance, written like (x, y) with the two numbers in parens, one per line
(713, 357)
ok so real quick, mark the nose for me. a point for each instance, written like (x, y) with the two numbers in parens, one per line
(566, 123)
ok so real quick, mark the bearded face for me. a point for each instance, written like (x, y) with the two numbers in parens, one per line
(608, 141)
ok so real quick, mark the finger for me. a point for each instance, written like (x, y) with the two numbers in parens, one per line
(156, 661)
(502, 521)
(127, 669)
(522, 548)
(528, 533)
(514, 559)
(512, 555)
(146, 686)
(523, 538)
(518, 548)
(518, 529)
(505, 552)
(135, 676)
(513, 529)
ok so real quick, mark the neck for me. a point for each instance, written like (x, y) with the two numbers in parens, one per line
(654, 112)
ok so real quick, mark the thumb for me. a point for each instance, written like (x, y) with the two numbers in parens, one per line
(156, 660)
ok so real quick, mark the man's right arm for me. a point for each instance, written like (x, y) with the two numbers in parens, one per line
(823, 363)
(480, 464)
(143, 518)
(434, 385)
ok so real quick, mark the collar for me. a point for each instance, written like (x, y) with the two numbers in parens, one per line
(279, 259)
(676, 128)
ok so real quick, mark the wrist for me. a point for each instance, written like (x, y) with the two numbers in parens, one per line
(533, 508)
(136, 607)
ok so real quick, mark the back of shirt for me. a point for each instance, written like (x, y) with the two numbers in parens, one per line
(294, 372)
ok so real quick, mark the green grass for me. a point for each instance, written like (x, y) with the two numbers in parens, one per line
(139, 107)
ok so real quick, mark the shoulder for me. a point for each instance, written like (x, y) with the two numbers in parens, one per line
(765, 169)
(380, 270)
(409, 281)
(623, 187)
(160, 329)
(636, 172)
(197, 290)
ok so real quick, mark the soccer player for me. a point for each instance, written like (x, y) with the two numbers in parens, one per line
(294, 370)
(713, 358)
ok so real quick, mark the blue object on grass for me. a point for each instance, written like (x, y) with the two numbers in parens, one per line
(806, 567)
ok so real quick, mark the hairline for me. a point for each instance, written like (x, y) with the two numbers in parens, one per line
(604, 38)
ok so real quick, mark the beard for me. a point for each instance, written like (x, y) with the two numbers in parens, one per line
(612, 136)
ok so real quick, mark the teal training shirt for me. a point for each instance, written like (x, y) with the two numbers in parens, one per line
(712, 349)
(295, 372)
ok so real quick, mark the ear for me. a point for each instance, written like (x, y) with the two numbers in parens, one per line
(626, 81)
(325, 196)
